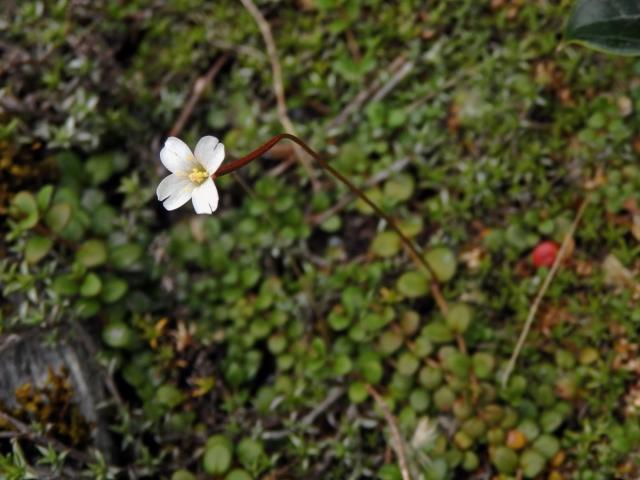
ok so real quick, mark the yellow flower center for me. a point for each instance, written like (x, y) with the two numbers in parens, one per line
(198, 175)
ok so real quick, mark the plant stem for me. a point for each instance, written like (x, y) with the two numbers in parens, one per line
(543, 289)
(415, 255)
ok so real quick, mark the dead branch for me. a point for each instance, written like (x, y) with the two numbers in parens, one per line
(278, 85)
(398, 442)
(543, 289)
(197, 90)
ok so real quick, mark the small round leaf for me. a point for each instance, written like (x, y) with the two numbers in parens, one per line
(92, 253)
(413, 284)
(58, 216)
(37, 248)
(91, 285)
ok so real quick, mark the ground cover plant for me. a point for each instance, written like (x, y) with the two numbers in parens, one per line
(290, 335)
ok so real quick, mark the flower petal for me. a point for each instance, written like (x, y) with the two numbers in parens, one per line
(205, 197)
(176, 156)
(179, 197)
(209, 153)
(171, 185)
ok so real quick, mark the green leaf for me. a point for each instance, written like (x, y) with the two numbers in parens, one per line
(407, 363)
(413, 284)
(123, 256)
(36, 248)
(183, 474)
(118, 335)
(99, 168)
(386, 244)
(44, 197)
(331, 224)
(86, 307)
(399, 188)
(532, 463)
(459, 317)
(437, 332)
(25, 208)
(611, 26)
(238, 474)
(358, 392)
(92, 253)
(113, 289)
(91, 285)
(102, 220)
(217, 459)
(250, 452)
(443, 262)
(371, 368)
(58, 217)
(65, 284)
(169, 395)
(218, 440)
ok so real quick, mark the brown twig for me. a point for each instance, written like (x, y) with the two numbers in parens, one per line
(278, 84)
(334, 395)
(543, 289)
(394, 81)
(197, 90)
(24, 430)
(398, 442)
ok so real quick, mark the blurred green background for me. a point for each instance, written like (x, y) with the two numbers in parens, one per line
(244, 345)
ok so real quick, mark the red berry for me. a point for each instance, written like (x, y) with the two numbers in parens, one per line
(545, 254)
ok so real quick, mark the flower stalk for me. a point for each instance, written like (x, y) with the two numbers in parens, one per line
(412, 250)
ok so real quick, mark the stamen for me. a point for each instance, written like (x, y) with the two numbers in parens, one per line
(198, 175)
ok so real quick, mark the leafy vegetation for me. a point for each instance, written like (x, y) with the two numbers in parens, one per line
(245, 344)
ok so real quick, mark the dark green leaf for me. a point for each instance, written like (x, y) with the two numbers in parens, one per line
(65, 285)
(113, 289)
(611, 26)
(99, 168)
(86, 307)
(36, 248)
(123, 256)
(44, 196)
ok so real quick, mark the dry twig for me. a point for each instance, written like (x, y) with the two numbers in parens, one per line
(398, 442)
(278, 84)
(199, 86)
(543, 289)
(23, 430)
(394, 81)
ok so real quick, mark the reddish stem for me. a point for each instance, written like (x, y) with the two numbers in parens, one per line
(412, 250)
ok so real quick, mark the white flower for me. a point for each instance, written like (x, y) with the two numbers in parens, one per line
(190, 174)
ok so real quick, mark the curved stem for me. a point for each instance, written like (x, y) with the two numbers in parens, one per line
(418, 259)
